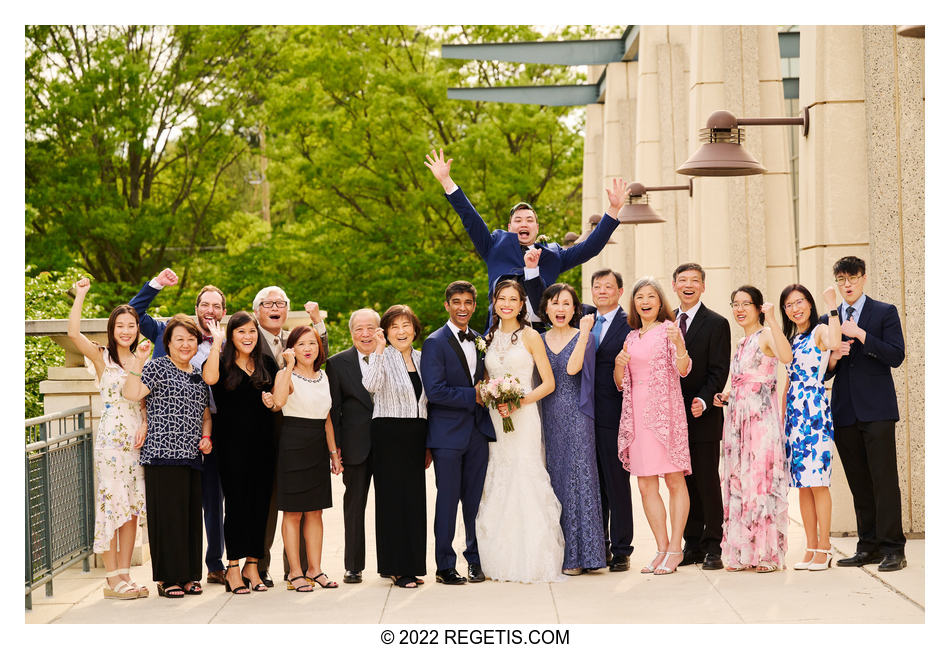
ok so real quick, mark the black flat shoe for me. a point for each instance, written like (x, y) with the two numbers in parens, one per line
(449, 576)
(619, 564)
(352, 577)
(693, 556)
(892, 562)
(712, 562)
(859, 559)
(475, 574)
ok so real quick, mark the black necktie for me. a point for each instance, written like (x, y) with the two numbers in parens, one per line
(466, 335)
(850, 311)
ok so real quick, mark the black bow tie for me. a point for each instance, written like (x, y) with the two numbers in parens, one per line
(467, 335)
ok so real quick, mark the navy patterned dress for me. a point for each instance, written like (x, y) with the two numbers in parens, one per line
(571, 462)
(809, 432)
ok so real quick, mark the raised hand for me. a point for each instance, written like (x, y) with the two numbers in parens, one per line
(768, 310)
(829, 295)
(290, 359)
(380, 337)
(313, 310)
(167, 277)
(268, 399)
(586, 323)
(438, 165)
(531, 258)
(217, 332)
(676, 337)
(82, 287)
(618, 195)
(142, 351)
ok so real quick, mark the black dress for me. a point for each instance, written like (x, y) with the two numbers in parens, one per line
(399, 451)
(243, 439)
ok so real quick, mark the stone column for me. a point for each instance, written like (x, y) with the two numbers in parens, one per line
(591, 192)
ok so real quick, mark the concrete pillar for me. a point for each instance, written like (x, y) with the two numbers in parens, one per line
(592, 191)
(862, 194)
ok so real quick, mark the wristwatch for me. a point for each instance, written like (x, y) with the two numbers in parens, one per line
(833, 313)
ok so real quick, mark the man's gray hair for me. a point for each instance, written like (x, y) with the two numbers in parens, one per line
(363, 312)
(263, 293)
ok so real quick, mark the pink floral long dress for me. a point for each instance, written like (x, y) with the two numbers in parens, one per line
(120, 479)
(754, 472)
(653, 438)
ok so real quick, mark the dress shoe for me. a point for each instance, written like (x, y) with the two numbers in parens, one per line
(692, 556)
(475, 574)
(352, 577)
(267, 580)
(859, 559)
(892, 561)
(450, 576)
(619, 564)
(712, 562)
(216, 577)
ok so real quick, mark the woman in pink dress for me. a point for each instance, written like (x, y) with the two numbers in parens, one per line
(754, 475)
(653, 440)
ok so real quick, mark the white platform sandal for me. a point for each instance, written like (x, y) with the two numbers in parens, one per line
(141, 590)
(122, 591)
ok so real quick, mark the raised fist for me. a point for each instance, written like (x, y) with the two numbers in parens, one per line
(830, 297)
(82, 286)
(289, 358)
(167, 277)
(531, 258)
(586, 323)
(313, 309)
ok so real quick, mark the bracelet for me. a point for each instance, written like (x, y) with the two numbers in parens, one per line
(206, 437)
(334, 452)
(685, 354)
(134, 373)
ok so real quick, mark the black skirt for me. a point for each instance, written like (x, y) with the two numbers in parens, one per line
(303, 466)
(399, 481)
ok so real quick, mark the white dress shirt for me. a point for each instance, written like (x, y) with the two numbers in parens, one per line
(608, 318)
(689, 320)
(468, 347)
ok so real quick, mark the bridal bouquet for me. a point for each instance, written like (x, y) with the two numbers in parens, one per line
(507, 390)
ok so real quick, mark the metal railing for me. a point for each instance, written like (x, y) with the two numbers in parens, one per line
(60, 514)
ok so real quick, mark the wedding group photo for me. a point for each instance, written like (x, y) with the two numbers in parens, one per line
(475, 324)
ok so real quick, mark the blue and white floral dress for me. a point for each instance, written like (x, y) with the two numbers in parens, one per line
(809, 432)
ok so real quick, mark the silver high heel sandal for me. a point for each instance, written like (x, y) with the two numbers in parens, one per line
(804, 565)
(824, 565)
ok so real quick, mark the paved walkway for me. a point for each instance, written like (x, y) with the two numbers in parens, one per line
(839, 595)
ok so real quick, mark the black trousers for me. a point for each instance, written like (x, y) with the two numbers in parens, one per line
(173, 512)
(356, 479)
(868, 454)
(212, 503)
(703, 531)
(615, 499)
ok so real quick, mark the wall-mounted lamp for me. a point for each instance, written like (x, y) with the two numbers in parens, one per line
(911, 31)
(570, 239)
(721, 153)
(637, 210)
(595, 219)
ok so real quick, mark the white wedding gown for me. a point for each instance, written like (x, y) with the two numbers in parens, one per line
(518, 524)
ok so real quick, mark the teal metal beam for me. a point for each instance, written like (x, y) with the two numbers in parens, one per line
(538, 95)
(553, 52)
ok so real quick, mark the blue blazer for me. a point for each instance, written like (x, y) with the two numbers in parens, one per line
(453, 413)
(607, 398)
(150, 328)
(863, 389)
(502, 253)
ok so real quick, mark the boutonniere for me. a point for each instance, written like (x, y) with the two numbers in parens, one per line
(542, 240)
(480, 344)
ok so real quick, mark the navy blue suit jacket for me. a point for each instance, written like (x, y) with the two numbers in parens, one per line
(607, 398)
(502, 253)
(863, 389)
(453, 413)
(150, 328)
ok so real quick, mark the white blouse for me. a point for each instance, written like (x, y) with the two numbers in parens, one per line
(310, 398)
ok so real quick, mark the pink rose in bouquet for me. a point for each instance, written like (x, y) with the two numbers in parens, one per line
(506, 389)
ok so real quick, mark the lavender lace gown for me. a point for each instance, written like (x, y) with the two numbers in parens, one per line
(572, 464)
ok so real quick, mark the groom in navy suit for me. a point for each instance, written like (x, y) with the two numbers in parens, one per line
(504, 252)
(459, 430)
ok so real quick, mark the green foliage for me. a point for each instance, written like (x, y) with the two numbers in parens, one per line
(46, 299)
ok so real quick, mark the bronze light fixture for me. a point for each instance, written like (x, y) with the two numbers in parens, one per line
(721, 152)
(595, 219)
(911, 31)
(570, 239)
(637, 210)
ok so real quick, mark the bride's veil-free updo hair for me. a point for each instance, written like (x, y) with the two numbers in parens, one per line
(522, 315)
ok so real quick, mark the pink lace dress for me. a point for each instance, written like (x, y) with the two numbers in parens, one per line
(653, 439)
(754, 475)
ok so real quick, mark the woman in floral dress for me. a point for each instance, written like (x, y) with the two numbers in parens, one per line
(809, 430)
(120, 492)
(754, 476)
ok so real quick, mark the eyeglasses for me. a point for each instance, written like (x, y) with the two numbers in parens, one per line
(280, 304)
(741, 305)
(847, 279)
(793, 305)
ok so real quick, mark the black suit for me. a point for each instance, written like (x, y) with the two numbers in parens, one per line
(615, 500)
(271, 531)
(707, 342)
(864, 409)
(352, 414)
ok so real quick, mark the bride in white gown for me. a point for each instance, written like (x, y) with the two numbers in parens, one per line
(518, 524)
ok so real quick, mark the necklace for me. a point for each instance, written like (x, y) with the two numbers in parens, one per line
(316, 379)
